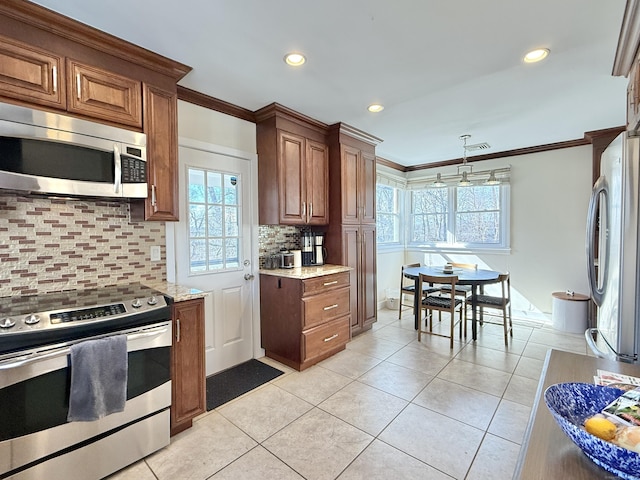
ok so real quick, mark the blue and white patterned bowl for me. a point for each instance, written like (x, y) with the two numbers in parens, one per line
(571, 404)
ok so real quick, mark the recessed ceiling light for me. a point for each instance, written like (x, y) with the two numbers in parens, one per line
(375, 107)
(294, 59)
(536, 55)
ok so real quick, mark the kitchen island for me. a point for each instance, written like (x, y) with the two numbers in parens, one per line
(305, 313)
(547, 453)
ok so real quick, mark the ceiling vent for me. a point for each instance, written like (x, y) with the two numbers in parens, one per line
(477, 146)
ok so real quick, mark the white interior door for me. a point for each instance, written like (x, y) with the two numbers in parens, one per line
(215, 248)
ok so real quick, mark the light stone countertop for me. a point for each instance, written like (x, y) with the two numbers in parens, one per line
(302, 273)
(177, 292)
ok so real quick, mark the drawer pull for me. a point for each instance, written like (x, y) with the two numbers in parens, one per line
(331, 307)
(328, 339)
(330, 283)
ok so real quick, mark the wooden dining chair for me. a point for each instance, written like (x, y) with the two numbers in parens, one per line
(407, 288)
(502, 303)
(449, 304)
(463, 291)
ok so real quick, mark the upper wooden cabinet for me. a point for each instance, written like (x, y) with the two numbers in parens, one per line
(160, 124)
(358, 179)
(31, 74)
(293, 168)
(102, 94)
(35, 76)
(96, 76)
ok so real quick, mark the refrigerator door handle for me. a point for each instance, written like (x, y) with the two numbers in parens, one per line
(591, 342)
(597, 293)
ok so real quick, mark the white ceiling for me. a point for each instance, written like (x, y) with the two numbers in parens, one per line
(442, 68)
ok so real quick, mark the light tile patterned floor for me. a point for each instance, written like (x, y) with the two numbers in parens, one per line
(386, 407)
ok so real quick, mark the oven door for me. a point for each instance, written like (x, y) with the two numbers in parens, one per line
(34, 398)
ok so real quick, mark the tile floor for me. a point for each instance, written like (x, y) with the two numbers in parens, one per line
(386, 407)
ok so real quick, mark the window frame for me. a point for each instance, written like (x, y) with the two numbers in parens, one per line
(224, 236)
(398, 214)
(451, 244)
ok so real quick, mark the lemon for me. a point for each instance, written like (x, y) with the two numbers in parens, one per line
(600, 427)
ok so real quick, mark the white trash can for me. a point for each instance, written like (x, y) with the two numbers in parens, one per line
(393, 299)
(569, 312)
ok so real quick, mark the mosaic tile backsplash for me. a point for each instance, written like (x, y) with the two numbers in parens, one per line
(50, 245)
(271, 238)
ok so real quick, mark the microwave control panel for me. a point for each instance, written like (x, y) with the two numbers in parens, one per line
(134, 170)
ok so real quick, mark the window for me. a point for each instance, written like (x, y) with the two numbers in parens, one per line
(460, 217)
(387, 214)
(214, 211)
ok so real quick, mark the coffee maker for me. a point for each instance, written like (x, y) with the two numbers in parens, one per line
(307, 247)
(319, 252)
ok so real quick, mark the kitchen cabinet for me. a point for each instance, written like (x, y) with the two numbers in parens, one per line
(293, 168)
(36, 76)
(351, 240)
(160, 124)
(358, 186)
(304, 320)
(104, 95)
(31, 74)
(188, 382)
(359, 253)
(96, 76)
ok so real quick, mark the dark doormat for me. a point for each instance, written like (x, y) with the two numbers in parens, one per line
(225, 386)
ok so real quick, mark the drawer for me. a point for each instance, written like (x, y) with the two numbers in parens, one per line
(321, 308)
(324, 338)
(311, 286)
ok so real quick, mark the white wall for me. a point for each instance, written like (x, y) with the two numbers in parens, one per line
(549, 199)
(213, 127)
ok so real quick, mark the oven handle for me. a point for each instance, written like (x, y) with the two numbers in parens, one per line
(59, 352)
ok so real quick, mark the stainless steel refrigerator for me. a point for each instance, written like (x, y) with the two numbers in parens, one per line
(614, 274)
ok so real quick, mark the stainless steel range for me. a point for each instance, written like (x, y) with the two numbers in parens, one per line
(36, 336)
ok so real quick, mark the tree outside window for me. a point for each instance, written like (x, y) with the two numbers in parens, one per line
(459, 216)
(387, 214)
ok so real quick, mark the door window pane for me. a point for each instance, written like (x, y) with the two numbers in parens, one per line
(214, 220)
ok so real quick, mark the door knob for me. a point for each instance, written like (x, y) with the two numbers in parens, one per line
(248, 276)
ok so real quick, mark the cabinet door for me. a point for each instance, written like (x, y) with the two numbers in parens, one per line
(188, 382)
(31, 74)
(368, 286)
(351, 258)
(102, 94)
(367, 188)
(291, 178)
(349, 172)
(317, 173)
(160, 125)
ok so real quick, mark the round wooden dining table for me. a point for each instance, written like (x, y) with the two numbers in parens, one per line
(466, 276)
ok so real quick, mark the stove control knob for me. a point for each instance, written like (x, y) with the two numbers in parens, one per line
(31, 319)
(152, 300)
(7, 323)
(136, 303)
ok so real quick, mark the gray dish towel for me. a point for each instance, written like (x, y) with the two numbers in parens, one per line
(98, 378)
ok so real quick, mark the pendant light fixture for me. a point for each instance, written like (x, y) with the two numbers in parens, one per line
(464, 181)
(492, 180)
(439, 182)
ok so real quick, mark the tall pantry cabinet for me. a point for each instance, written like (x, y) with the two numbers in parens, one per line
(351, 236)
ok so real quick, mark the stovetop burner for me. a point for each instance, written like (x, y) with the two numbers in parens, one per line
(31, 321)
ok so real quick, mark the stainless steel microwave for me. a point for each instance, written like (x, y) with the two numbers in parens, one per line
(49, 153)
